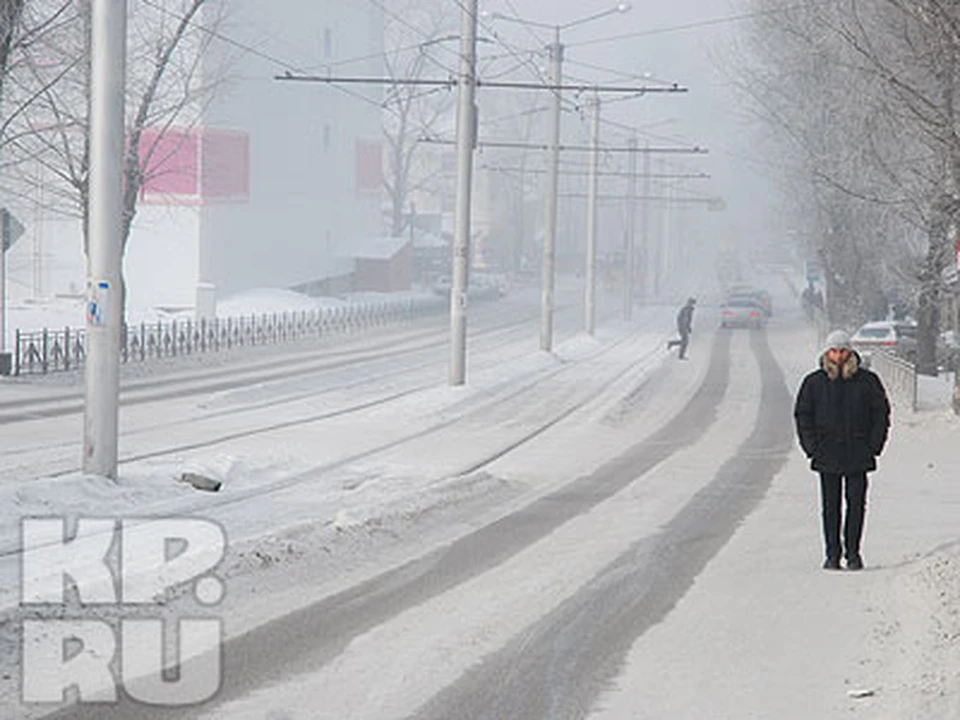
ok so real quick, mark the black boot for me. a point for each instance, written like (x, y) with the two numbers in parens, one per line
(855, 562)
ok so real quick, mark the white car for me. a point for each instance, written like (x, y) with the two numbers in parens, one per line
(895, 336)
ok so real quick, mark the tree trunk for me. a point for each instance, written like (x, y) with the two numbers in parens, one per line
(10, 13)
(396, 221)
(928, 318)
(928, 302)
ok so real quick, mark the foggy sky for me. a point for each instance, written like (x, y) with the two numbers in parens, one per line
(708, 115)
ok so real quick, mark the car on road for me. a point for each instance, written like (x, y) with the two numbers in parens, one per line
(898, 337)
(760, 296)
(742, 311)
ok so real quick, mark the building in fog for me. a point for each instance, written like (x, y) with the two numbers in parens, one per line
(274, 180)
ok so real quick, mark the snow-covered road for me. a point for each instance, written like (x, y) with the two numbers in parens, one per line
(601, 532)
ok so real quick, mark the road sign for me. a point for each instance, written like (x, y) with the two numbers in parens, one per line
(12, 228)
(10, 232)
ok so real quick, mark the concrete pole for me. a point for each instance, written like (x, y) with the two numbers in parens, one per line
(668, 234)
(645, 225)
(658, 248)
(550, 223)
(108, 67)
(629, 271)
(516, 260)
(591, 270)
(466, 142)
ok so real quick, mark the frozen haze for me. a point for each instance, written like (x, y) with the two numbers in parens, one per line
(478, 547)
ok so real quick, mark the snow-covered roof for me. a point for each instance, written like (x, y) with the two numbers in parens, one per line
(330, 267)
(379, 248)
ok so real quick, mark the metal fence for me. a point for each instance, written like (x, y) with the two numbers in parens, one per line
(50, 350)
(899, 377)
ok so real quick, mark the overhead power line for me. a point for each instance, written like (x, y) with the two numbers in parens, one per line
(694, 25)
(641, 150)
(711, 202)
(611, 173)
(451, 82)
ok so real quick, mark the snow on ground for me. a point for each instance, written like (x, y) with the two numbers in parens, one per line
(935, 393)
(270, 300)
(456, 629)
(788, 640)
(793, 641)
(68, 311)
(353, 495)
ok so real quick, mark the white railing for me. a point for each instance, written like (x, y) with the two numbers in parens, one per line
(899, 377)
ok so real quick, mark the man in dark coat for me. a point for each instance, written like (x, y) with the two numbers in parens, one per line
(843, 417)
(684, 327)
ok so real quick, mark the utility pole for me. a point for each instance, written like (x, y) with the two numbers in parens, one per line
(645, 226)
(658, 246)
(466, 141)
(628, 271)
(668, 235)
(108, 67)
(516, 258)
(550, 221)
(591, 269)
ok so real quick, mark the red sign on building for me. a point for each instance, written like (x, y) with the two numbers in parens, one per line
(195, 167)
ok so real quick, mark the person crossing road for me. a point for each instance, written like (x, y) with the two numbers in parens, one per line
(684, 328)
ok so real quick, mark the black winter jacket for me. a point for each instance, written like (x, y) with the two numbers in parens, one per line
(842, 422)
(685, 319)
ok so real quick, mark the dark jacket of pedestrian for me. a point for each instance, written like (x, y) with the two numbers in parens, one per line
(685, 318)
(842, 416)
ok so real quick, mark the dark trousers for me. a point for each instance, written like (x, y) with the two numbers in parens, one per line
(854, 487)
(682, 342)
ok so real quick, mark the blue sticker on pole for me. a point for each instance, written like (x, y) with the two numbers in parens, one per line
(98, 297)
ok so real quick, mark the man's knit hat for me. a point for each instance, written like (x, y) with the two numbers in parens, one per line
(837, 340)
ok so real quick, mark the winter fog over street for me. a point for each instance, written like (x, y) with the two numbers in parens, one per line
(479, 359)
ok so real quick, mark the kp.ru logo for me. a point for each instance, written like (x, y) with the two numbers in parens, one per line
(118, 569)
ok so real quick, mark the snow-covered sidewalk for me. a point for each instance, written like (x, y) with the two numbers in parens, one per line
(765, 633)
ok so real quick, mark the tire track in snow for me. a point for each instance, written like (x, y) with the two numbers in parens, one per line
(559, 667)
(259, 493)
(233, 378)
(309, 638)
(295, 371)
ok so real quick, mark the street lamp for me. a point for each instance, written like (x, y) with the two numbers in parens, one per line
(622, 7)
(448, 38)
(555, 51)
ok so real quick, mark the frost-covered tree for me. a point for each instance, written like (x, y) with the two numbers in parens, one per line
(861, 97)
(48, 141)
(418, 46)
